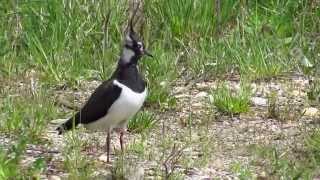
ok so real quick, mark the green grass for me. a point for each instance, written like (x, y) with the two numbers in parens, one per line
(284, 165)
(9, 164)
(241, 171)
(300, 163)
(273, 105)
(313, 145)
(138, 147)
(26, 114)
(60, 43)
(78, 165)
(230, 101)
(141, 122)
(314, 92)
(160, 71)
(67, 43)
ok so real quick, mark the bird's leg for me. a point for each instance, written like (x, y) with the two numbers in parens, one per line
(108, 146)
(121, 139)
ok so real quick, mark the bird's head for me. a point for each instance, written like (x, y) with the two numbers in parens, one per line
(134, 48)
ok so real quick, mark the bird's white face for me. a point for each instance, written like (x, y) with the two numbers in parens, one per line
(133, 48)
(127, 55)
(133, 43)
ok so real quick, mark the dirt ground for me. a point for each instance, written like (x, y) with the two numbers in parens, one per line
(193, 139)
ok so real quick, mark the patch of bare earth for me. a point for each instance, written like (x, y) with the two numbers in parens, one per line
(233, 136)
(192, 140)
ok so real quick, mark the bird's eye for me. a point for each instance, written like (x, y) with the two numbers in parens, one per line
(139, 45)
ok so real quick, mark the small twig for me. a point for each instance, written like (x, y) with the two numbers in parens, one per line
(171, 161)
(106, 20)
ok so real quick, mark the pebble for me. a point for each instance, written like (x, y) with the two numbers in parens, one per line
(58, 121)
(311, 111)
(135, 173)
(163, 83)
(103, 158)
(179, 89)
(201, 94)
(296, 93)
(218, 163)
(204, 86)
(53, 177)
(259, 101)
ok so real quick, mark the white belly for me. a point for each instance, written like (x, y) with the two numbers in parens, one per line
(126, 106)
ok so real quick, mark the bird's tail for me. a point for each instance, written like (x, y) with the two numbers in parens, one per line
(69, 124)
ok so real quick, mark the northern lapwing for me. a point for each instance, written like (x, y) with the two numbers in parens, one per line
(119, 98)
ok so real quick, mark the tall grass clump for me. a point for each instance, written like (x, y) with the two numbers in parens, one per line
(77, 165)
(143, 121)
(230, 101)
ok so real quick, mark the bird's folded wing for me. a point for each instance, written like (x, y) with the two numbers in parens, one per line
(99, 103)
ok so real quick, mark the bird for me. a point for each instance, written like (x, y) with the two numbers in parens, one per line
(117, 99)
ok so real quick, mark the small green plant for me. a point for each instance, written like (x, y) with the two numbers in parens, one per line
(126, 168)
(138, 146)
(118, 170)
(37, 168)
(313, 92)
(9, 160)
(231, 102)
(313, 144)
(141, 122)
(8, 166)
(273, 106)
(243, 172)
(77, 165)
(289, 112)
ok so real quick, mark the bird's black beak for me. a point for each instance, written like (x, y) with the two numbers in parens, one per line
(146, 52)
